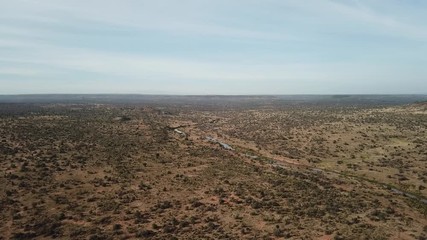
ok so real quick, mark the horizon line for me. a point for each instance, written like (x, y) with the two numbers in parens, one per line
(178, 94)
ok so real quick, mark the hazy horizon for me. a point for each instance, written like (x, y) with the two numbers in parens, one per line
(220, 47)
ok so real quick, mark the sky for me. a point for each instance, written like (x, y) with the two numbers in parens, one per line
(235, 47)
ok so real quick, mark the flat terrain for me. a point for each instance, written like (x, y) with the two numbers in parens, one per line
(339, 167)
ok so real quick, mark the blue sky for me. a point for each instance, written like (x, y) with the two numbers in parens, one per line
(213, 47)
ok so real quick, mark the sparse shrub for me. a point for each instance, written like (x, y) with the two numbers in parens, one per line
(144, 186)
(277, 231)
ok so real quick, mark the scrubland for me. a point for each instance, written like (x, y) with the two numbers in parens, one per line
(296, 171)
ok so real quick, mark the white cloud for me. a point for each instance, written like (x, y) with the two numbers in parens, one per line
(338, 12)
(19, 71)
(134, 66)
(137, 66)
(183, 17)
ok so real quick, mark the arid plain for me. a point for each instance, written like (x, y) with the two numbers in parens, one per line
(336, 167)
